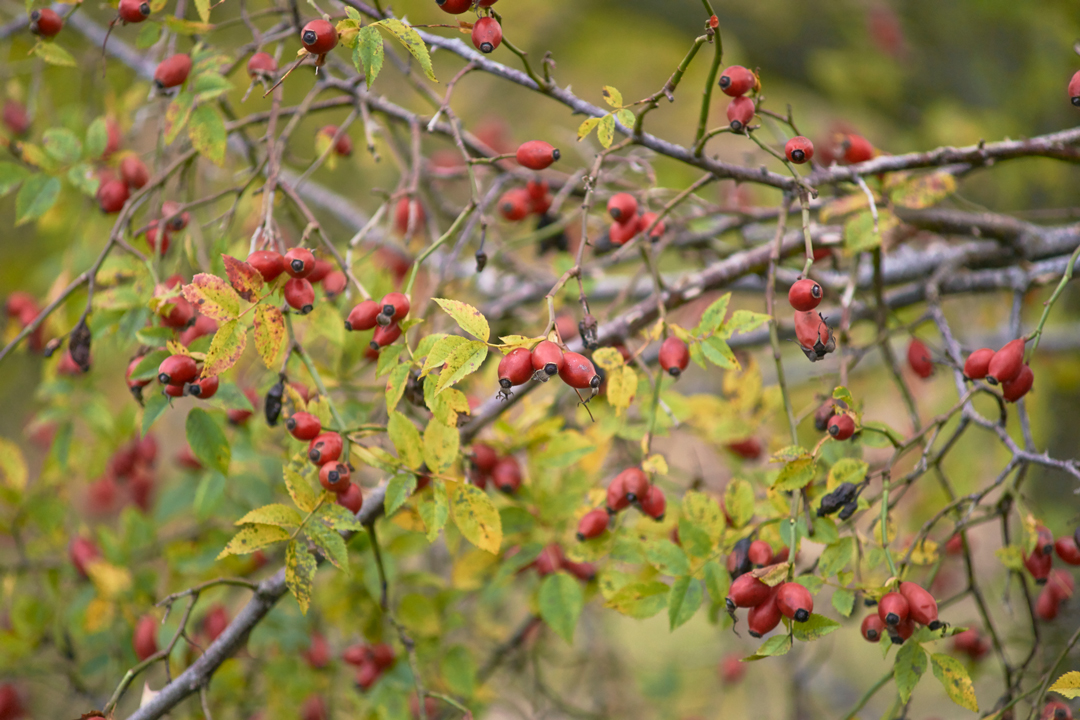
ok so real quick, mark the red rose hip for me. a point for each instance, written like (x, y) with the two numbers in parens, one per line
(799, 150)
(674, 356)
(537, 154)
(805, 295)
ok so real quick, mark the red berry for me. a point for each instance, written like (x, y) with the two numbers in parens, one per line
(300, 295)
(215, 621)
(582, 571)
(903, 631)
(343, 146)
(319, 37)
(385, 336)
(1046, 606)
(404, 208)
(674, 356)
(395, 306)
(134, 11)
(507, 474)
(352, 499)
(740, 112)
(1074, 89)
(261, 65)
(592, 524)
(747, 591)
(732, 669)
(383, 656)
(872, 628)
(922, 607)
(514, 204)
(321, 270)
(299, 262)
(82, 552)
(454, 7)
(134, 172)
(362, 317)
(153, 232)
(971, 643)
(621, 233)
(622, 207)
(144, 641)
(737, 80)
(174, 219)
(177, 313)
(954, 545)
(174, 390)
(1019, 386)
(1060, 583)
(270, 264)
(760, 553)
(653, 503)
(536, 154)
(636, 483)
(484, 457)
(112, 195)
(578, 372)
(334, 283)
(547, 356)
(16, 118)
(1006, 363)
(918, 357)
(172, 71)
(550, 560)
(841, 427)
(204, 388)
(177, 370)
(112, 128)
(978, 364)
(799, 150)
(11, 705)
(749, 448)
(1044, 540)
(486, 34)
(515, 368)
(314, 708)
(794, 601)
(893, 609)
(805, 295)
(764, 617)
(814, 336)
(648, 219)
(46, 22)
(857, 149)
(616, 495)
(325, 448)
(303, 426)
(334, 476)
(1038, 564)
(1056, 710)
(1067, 550)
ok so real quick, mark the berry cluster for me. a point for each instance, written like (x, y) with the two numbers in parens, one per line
(768, 604)
(504, 472)
(23, 309)
(552, 559)
(518, 203)
(180, 376)
(632, 487)
(128, 477)
(898, 613)
(812, 332)
(627, 222)
(1005, 367)
(544, 361)
(1057, 584)
(370, 661)
(383, 316)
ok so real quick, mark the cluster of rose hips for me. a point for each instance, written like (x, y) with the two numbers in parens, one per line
(552, 559)
(504, 472)
(629, 487)
(172, 219)
(1005, 367)
(324, 450)
(768, 604)
(898, 612)
(1057, 584)
(383, 316)
(812, 332)
(627, 222)
(543, 362)
(407, 210)
(180, 376)
(23, 309)
(343, 146)
(130, 470)
(370, 661)
(518, 203)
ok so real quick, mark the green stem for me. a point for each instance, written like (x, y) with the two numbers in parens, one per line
(885, 523)
(710, 81)
(435, 245)
(306, 359)
(867, 695)
(1065, 278)
(671, 84)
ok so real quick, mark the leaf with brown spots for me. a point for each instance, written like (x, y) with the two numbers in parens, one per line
(245, 279)
(213, 297)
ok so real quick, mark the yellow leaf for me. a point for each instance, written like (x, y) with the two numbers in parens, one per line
(655, 464)
(621, 385)
(13, 470)
(477, 517)
(109, 579)
(252, 538)
(1067, 685)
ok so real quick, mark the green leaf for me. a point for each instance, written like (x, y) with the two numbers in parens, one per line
(209, 495)
(395, 385)
(207, 440)
(1068, 685)
(477, 517)
(739, 502)
(714, 315)
(684, 600)
(910, 665)
(412, 42)
(330, 544)
(847, 470)
(836, 556)
(97, 138)
(612, 96)
(667, 557)
(13, 469)
(154, 407)
(299, 573)
(225, 349)
(83, 178)
(627, 118)
(717, 582)
(277, 514)
(605, 132)
(954, 678)
(464, 361)
(776, 645)
(269, 327)
(53, 54)
(10, 176)
(406, 439)
(203, 8)
(704, 511)
(434, 510)
(742, 321)
(843, 600)
(796, 474)
(36, 197)
(213, 297)
(442, 349)
(339, 517)
(300, 490)
(441, 445)
(207, 132)
(252, 538)
(925, 191)
(640, 599)
(209, 85)
(719, 354)
(587, 127)
(458, 669)
(177, 115)
(368, 53)
(62, 145)
(398, 490)
(816, 626)
(467, 317)
(561, 601)
(388, 359)
(149, 34)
